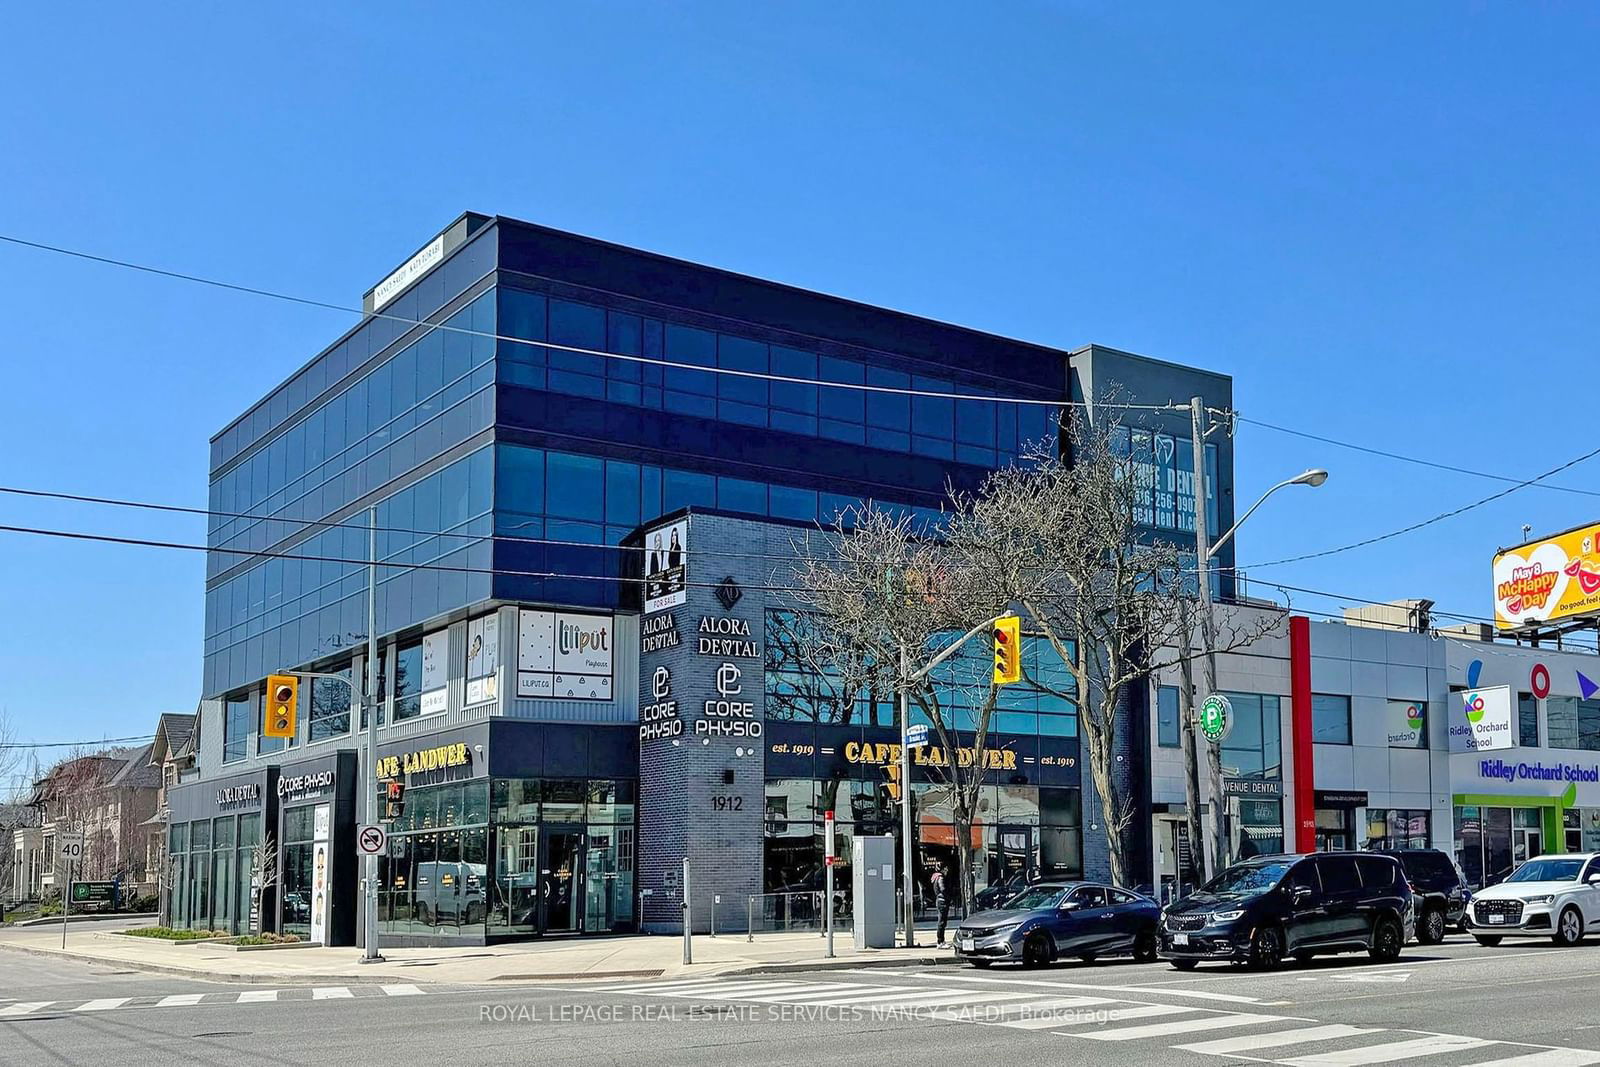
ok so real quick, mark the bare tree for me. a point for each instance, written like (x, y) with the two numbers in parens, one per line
(881, 597)
(263, 876)
(1066, 542)
(168, 874)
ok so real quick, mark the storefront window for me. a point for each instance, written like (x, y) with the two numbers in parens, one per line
(295, 879)
(408, 682)
(330, 707)
(1167, 735)
(1573, 723)
(562, 801)
(1397, 828)
(238, 720)
(1527, 720)
(1260, 828)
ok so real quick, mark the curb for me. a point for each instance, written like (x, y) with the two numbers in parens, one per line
(221, 976)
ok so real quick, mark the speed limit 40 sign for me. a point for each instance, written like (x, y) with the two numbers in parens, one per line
(70, 846)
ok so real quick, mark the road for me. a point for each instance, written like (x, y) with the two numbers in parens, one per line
(1456, 1004)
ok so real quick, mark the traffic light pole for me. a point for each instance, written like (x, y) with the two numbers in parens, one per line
(370, 771)
(908, 879)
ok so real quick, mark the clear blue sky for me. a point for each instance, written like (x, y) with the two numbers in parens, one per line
(1379, 220)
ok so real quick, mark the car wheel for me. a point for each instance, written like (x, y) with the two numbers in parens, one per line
(980, 964)
(1144, 947)
(1569, 928)
(1488, 940)
(1387, 940)
(1184, 965)
(1266, 949)
(1430, 931)
(1037, 950)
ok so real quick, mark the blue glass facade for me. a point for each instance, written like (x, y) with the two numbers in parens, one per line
(485, 427)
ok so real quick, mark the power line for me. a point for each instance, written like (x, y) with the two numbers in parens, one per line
(1407, 459)
(75, 744)
(1425, 522)
(576, 350)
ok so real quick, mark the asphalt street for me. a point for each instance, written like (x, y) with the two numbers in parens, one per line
(1453, 1004)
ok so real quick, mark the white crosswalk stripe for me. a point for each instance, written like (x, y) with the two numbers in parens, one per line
(104, 1004)
(1252, 1042)
(336, 992)
(26, 1007)
(1181, 1026)
(180, 1000)
(402, 991)
(1389, 1051)
(258, 996)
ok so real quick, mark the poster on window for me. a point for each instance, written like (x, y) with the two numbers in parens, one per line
(483, 659)
(666, 571)
(321, 876)
(435, 661)
(564, 655)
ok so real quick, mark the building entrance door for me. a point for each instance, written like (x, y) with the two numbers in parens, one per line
(515, 909)
(1526, 844)
(560, 863)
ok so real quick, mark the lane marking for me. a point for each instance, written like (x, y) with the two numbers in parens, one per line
(1227, 1045)
(1224, 998)
(1432, 1045)
(178, 1000)
(330, 992)
(26, 1007)
(402, 991)
(1182, 1026)
(257, 996)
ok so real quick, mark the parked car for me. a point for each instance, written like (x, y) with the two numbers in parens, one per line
(1439, 889)
(1053, 920)
(995, 894)
(1269, 907)
(1548, 896)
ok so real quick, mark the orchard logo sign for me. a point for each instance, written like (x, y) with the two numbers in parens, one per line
(1484, 721)
(1474, 707)
(1414, 717)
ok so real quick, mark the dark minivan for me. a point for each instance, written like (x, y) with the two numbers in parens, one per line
(1269, 907)
(1439, 891)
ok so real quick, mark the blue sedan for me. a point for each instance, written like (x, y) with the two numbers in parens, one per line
(1055, 920)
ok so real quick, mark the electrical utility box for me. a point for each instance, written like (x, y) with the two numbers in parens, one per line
(872, 878)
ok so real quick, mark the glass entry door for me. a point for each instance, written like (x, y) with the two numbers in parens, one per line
(560, 860)
(515, 909)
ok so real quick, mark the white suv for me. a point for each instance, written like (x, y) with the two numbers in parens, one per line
(1548, 896)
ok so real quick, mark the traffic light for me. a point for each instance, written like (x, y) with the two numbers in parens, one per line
(394, 800)
(283, 700)
(1007, 650)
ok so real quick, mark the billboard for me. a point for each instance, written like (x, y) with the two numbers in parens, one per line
(1553, 580)
(1481, 720)
(665, 568)
(564, 655)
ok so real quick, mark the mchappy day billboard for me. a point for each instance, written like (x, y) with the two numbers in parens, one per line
(1553, 580)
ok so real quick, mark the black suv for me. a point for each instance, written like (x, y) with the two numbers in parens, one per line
(1265, 908)
(1440, 893)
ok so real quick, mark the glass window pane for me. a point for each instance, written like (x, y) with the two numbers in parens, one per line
(1330, 719)
(572, 491)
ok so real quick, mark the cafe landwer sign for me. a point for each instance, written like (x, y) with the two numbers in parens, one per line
(1215, 718)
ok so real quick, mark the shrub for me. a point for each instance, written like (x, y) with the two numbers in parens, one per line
(167, 933)
(266, 939)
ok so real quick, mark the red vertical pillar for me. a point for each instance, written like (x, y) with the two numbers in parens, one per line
(1305, 802)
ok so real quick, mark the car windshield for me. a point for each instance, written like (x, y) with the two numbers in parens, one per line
(1547, 870)
(1037, 897)
(1247, 879)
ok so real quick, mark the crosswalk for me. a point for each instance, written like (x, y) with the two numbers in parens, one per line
(1136, 1023)
(27, 1008)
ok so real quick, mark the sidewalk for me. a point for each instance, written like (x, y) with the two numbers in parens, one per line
(577, 959)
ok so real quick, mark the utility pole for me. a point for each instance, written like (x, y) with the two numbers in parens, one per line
(907, 864)
(370, 776)
(1208, 632)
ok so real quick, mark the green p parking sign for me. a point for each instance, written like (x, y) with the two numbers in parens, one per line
(1215, 718)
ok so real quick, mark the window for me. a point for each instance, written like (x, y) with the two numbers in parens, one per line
(1377, 872)
(1253, 748)
(1573, 723)
(1527, 720)
(1090, 896)
(329, 714)
(1408, 723)
(408, 682)
(1330, 720)
(1338, 874)
(238, 721)
(1167, 727)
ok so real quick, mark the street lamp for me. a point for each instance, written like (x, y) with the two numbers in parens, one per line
(1204, 551)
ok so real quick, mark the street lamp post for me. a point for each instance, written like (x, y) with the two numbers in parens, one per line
(1204, 551)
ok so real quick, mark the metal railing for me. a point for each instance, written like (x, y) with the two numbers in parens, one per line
(788, 912)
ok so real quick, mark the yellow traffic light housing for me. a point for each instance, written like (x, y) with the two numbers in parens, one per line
(283, 700)
(1007, 650)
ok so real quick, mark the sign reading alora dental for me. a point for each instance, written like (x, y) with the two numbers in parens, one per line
(1481, 720)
